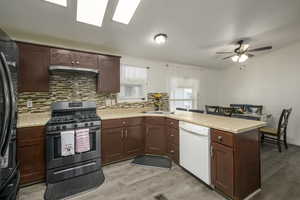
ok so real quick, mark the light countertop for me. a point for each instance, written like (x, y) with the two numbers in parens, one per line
(233, 125)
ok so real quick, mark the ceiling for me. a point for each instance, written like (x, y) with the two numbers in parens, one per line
(196, 28)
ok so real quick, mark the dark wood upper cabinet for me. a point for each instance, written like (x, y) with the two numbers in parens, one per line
(109, 74)
(86, 60)
(31, 153)
(223, 168)
(61, 57)
(155, 139)
(73, 58)
(134, 140)
(33, 70)
(112, 145)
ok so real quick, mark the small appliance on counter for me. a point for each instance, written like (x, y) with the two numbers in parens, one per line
(73, 149)
(9, 170)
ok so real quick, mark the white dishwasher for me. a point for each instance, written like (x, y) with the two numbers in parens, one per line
(195, 150)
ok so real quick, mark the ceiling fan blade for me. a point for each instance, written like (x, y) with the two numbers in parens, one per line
(228, 57)
(260, 49)
(224, 52)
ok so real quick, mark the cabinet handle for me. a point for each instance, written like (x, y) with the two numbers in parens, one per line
(171, 123)
(172, 135)
(126, 133)
(147, 132)
(77, 62)
(122, 134)
(72, 62)
(172, 151)
(220, 138)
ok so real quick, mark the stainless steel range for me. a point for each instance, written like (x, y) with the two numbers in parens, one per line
(73, 149)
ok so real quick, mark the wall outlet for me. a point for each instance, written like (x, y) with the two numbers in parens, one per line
(29, 104)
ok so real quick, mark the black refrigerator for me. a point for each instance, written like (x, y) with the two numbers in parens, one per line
(9, 170)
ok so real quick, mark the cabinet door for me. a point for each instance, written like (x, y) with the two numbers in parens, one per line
(61, 57)
(86, 60)
(33, 70)
(222, 169)
(31, 154)
(134, 143)
(112, 145)
(155, 139)
(109, 74)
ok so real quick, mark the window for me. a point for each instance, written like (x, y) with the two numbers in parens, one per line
(183, 93)
(182, 98)
(133, 83)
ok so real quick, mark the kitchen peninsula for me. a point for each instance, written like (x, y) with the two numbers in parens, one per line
(235, 144)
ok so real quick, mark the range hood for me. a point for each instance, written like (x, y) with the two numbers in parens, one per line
(70, 69)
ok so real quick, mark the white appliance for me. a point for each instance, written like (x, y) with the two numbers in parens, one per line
(195, 150)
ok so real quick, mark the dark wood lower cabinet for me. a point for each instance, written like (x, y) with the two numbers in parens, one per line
(112, 145)
(134, 140)
(156, 140)
(31, 153)
(122, 139)
(223, 168)
(236, 163)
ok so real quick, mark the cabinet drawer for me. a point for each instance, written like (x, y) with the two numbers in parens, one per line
(173, 135)
(155, 120)
(30, 133)
(112, 123)
(222, 137)
(173, 152)
(134, 121)
(115, 123)
(172, 123)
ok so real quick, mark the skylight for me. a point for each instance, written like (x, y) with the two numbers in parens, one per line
(125, 10)
(91, 11)
(58, 2)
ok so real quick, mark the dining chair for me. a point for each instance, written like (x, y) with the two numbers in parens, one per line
(238, 108)
(211, 109)
(196, 111)
(275, 135)
(182, 109)
(226, 111)
(257, 109)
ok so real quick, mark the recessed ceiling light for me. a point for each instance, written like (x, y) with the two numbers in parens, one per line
(58, 2)
(125, 10)
(160, 38)
(91, 11)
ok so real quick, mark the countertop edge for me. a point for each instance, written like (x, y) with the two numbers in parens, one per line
(171, 116)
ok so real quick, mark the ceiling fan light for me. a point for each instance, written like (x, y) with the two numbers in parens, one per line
(243, 58)
(235, 58)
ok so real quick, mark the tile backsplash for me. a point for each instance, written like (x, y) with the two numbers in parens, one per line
(77, 86)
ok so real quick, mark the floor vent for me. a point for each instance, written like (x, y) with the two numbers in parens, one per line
(160, 197)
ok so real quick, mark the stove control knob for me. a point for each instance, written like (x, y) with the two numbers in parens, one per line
(58, 128)
(64, 127)
(86, 124)
(75, 125)
(92, 124)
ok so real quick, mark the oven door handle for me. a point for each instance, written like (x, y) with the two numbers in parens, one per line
(12, 109)
(6, 105)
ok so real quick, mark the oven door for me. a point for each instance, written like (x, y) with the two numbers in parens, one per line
(54, 157)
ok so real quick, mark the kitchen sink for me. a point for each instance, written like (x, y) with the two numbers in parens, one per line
(158, 112)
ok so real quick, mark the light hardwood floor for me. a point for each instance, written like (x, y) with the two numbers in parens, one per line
(125, 181)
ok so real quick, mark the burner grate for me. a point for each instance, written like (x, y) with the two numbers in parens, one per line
(160, 197)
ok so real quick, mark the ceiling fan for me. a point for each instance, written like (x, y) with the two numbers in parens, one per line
(242, 52)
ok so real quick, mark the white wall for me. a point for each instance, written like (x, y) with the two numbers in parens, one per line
(272, 80)
(160, 73)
